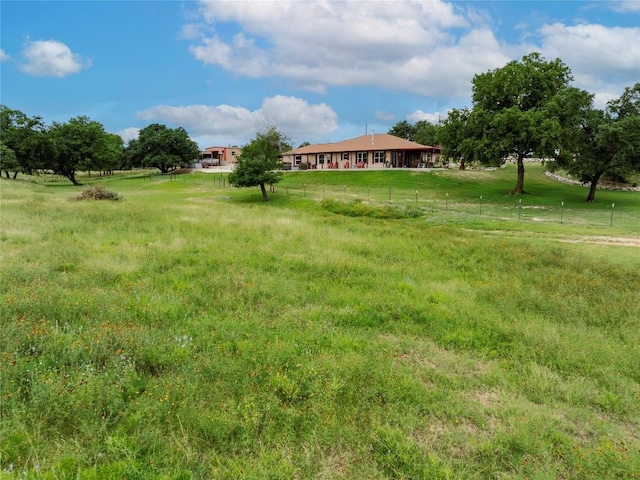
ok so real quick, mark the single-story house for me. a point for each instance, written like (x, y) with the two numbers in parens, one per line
(214, 156)
(376, 150)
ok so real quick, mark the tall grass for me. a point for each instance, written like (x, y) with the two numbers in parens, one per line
(191, 331)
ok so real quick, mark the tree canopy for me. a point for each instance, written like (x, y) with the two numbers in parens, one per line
(605, 141)
(260, 161)
(161, 147)
(80, 144)
(513, 114)
(26, 138)
(421, 132)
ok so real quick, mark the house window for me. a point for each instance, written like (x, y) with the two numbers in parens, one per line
(378, 157)
(324, 156)
(345, 156)
(298, 159)
(361, 157)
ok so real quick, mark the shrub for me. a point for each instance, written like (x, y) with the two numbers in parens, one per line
(98, 192)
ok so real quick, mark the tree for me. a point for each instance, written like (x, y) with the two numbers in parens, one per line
(161, 147)
(404, 130)
(79, 144)
(605, 142)
(26, 138)
(8, 161)
(511, 114)
(259, 162)
(453, 136)
(425, 133)
(111, 156)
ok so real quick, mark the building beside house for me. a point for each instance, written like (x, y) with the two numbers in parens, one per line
(215, 156)
(376, 150)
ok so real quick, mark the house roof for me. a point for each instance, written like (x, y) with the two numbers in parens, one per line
(377, 141)
(221, 148)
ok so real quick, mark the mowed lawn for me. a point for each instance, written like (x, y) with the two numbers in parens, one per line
(192, 331)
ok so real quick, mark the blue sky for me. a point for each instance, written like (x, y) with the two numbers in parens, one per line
(318, 70)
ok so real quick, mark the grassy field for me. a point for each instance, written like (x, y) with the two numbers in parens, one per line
(191, 331)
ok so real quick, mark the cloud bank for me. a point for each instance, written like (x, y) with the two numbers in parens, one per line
(432, 48)
(226, 125)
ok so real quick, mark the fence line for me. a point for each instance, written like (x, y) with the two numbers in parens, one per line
(517, 210)
(431, 203)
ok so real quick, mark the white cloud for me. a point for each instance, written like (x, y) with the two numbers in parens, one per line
(594, 48)
(130, 133)
(432, 118)
(50, 58)
(397, 45)
(626, 6)
(190, 31)
(603, 60)
(4, 56)
(225, 124)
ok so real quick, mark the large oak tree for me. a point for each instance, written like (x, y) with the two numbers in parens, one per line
(513, 114)
(79, 144)
(161, 147)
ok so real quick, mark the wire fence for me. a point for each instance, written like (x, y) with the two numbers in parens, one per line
(512, 209)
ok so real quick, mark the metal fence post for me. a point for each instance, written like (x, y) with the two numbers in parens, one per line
(519, 207)
(611, 222)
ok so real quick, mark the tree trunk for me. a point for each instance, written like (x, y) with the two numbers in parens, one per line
(519, 188)
(592, 187)
(72, 177)
(15, 174)
(7, 173)
(264, 193)
(462, 165)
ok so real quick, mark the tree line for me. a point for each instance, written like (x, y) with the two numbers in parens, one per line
(529, 109)
(29, 146)
(525, 109)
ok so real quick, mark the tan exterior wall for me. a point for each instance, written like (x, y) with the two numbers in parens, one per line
(339, 160)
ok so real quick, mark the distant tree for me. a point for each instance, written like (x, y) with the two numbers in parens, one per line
(304, 144)
(161, 147)
(78, 145)
(26, 138)
(605, 142)
(111, 158)
(425, 133)
(404, 130)
(260, 162)
(8, 161)
(454, 137)
(511, 113)
(628, 105)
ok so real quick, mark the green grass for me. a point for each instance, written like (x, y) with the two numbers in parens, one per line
(191, 331)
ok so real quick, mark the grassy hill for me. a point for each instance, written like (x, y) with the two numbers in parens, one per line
(191, 331)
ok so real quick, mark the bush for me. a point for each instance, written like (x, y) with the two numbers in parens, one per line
(98, 192)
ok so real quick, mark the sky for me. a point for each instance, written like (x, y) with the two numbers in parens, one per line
(318, 70)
